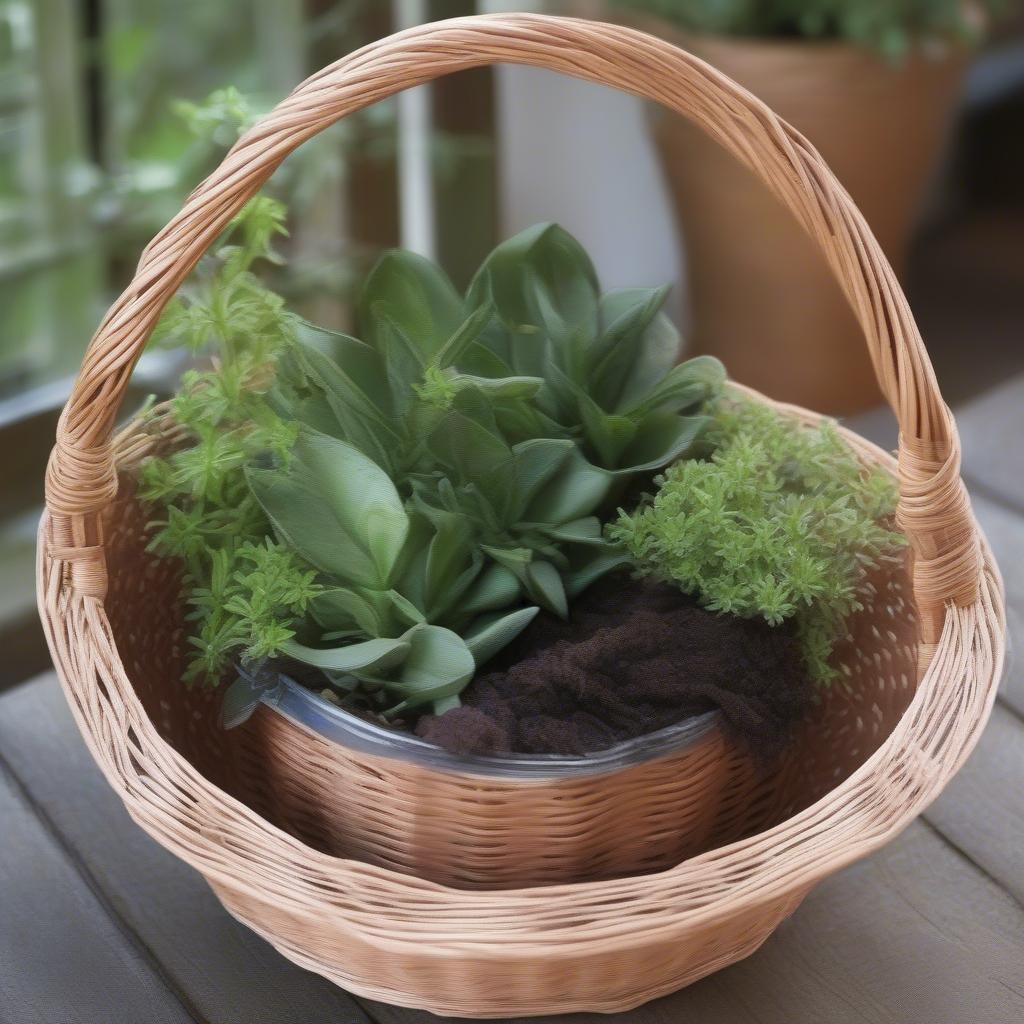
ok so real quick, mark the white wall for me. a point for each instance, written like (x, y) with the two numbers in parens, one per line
(579, 154)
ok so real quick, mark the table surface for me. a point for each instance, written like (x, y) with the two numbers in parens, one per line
(99, 924)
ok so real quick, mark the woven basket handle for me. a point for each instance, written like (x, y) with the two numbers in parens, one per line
(934, 510)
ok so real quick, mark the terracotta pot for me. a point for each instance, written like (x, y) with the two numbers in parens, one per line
(761, 296)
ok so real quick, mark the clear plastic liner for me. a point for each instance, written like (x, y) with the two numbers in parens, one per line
(308, 709)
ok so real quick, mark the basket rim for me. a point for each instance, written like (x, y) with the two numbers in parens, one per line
(877, 801)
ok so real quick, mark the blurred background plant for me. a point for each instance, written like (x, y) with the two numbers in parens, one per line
(116, 110)
(891, 27)
(111, 112)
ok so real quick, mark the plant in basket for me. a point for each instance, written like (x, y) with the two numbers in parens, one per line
(508, 521)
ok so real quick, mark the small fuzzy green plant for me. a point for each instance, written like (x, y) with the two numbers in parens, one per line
(891, 27)
(781, 522)
(243, 588)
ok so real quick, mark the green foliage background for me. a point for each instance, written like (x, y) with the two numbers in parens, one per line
(892, 27)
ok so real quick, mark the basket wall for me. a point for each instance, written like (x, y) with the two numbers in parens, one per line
(473, 832)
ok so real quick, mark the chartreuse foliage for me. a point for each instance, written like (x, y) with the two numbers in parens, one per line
(243, 589)
(781, 522)
(436, 482)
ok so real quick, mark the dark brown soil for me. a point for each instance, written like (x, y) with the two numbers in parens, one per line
(633, 659)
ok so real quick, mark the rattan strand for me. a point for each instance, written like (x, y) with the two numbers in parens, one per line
(603, 945)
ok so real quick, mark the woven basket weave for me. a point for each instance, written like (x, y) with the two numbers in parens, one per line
(923, 661)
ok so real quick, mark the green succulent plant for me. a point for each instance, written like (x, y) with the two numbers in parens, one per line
(405, 599)
(607, 362)
(492, 445)
(433, 484)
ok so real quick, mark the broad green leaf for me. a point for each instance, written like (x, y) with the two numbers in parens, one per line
(530, 352)
(608, 434)
(355, 390)
(477, 406)
(481, 361)
(413, 296)
(335, 507)
(404, 361)
(449, 602)
(362, 495)
(575, 491)
(514, 559)
(381, 446)
(587, 530)
(438, 665)
(627, 318)
(414, 552)
(446, 704)
(475, 456)
(375, 613)
(496, 587)
(345, 364)
(312, 410)
(536, 462)
(303, 518)
(490, 633)
(376, 655)
(405, 610)
(339, 609)
(685, 386)
(540, 280)
(657, 354)
(520, 421)
(558, 398)
(660, 440)
(544, 585)
(466, 336)
(452, 562)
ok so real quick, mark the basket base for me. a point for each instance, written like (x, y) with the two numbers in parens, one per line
(630, 976)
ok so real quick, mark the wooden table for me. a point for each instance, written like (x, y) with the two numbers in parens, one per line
(99, 924)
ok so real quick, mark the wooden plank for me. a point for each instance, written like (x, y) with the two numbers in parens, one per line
(228, 973)
(1004, 528)
(981, 811)
(913, 935)
(916, 933)
(878, 425)
(62, 957)
(990, 431)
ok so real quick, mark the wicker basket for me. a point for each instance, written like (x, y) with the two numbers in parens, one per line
(923, 661)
